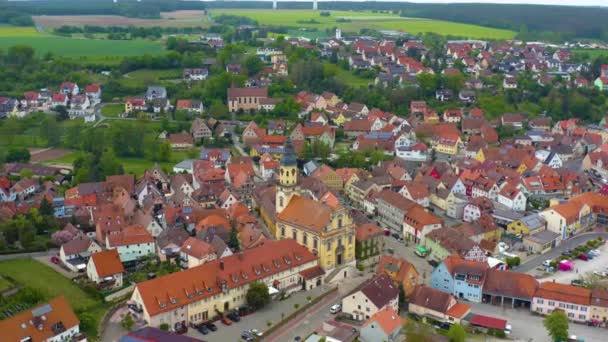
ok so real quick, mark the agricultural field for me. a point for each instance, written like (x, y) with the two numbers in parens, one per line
(43, 43)
(52, 284)
(168, 19)
(112, 110)
(359, 20)
(592, 53)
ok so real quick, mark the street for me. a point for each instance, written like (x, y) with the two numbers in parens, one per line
(537, 260)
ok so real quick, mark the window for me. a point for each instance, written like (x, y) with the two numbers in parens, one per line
(294, 235)
(539, 301)
(281, 200)
(305, 239)
(283, 231)
(581, 316)
(551, 303)
(315, 242)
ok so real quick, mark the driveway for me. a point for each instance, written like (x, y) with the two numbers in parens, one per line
(536, 261)
(66, 273)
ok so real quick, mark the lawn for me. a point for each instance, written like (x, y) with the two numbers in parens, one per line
(112, 110)
(5, 284)
(46, 280)
(359, 20)
(353, 80)
(43, 43)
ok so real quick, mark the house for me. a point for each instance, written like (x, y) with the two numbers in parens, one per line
(573, 300)
(369, 243)
(194, 295)
(195, 74)
(245, 98)
(418, 222)
(527, 225)
(106, 269)
(400, 271)
(181, 140)
(541, 242)
(69, 88)
(451, 241)
(509, 82)
(25, 187)
(59, 100)
(190, 106)
(93, 93)
(391, 208)
(199, 130)
(514, 120)
(385, 325)
(463, 279)
(74, 254)
(329, 177)
(428, 302)
(567, 218)
(195, 252)
(156, 92)
(372, 296)
(476, 208)
(452, 115)
(599, 305)
(47, 322)
(447, 143)
(416, 192)
(512, 198)
(132, 243)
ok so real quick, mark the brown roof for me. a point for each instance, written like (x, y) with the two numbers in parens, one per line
(76, 246)
(38, 323)
(395, 199)
(510, 284)
(312, 273)
(387, 319)
(564, 293)
(107, 263)
(178, 289)
(305, 212)
(197, 248)
(431, 298)
(247, 92)
(599, 297)
(131, 235)
(380, 290)
(368, 230)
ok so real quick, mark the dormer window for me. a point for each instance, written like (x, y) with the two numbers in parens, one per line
(173, 300)
(287, 260)
(277, 263)
(298, 257)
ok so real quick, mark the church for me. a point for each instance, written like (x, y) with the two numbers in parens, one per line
(325, 228)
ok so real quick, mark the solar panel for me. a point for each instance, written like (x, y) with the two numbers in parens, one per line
(43, 310)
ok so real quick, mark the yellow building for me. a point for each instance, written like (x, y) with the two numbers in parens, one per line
(448, 144)
(327, 231)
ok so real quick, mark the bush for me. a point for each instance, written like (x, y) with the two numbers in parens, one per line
(164, 327)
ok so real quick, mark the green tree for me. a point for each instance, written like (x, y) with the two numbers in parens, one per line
(457, 333)
(556, 324)
(51, 131)
(253, 65)
(26, 173)
(257, 295)
(18, 154)
(233, 242)
(219, 110)
(127, 322)
(109, 165)
(46, 209)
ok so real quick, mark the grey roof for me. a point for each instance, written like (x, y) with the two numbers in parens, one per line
(543, 237)
(507, 214)
(184, 164)
(310, 167)
(533, 221)
(289, 157)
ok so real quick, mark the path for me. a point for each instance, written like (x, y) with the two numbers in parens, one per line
(28, 255)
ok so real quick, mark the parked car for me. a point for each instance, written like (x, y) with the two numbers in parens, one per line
(211, 327)
(578, 282)
(233, 316)
(547, 263)
(55, 260)
(602, 274)
(247, 336)
(567, 253)
(256, 332)
(387, 232)
(135, 308)
(595, 252)
(203, 329)
(583, 257)
(335, 308)
(226, 321)
(396, 236)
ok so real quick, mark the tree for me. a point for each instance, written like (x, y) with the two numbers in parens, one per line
(127, 322)
(253, 65)
(164, 327)
(457, 333)
(18, 155)
(46, 209)
(62, 113)
(234, 243)
(26, 173)
(556, 324)
(257, 295)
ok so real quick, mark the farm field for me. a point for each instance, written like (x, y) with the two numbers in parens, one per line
(43, 43)
(168, 19)
(42, 155)
(359, 20)
(592, 53)
(112, 110)
(52, 284)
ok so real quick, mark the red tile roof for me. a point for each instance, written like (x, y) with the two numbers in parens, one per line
(488, 322)
(564, 293)
(107, 263)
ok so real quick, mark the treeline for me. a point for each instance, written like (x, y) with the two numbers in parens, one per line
(132, 8)
(234, 20)
(14, 17)
(131, 32)
(553, 23)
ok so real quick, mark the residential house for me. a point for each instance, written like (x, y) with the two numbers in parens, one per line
(190, 106)
(369, 244)
(195, 252)
(132, 243)
(447, 143)
(195, 74)
(329, 177)
(428, 302)
(573, 300)
(599, 305)
(416, 192)
(181, 140)
(372, 296)
(391, 208)
(529, 224)
(511, 197)
(451, 241)
(156, 92)
(93, 93)
(194, 295)
(74, 254)
(402, 272)
(385, 325)
(48, 322)
(106, 269)
(418, 222)
(200, 130)
(567, 218)
(463, 279)
(69, 88)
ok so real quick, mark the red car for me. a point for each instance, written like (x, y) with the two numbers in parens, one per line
(226, 321)
(583, 257)
(55, 260)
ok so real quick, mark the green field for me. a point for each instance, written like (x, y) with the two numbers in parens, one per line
(359, 20)
(112, 110)
(592, 53)
(351, 79)
(5, 284)
(52, 284)
(144, 77)
(43, 43)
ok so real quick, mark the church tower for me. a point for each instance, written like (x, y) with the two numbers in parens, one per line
(288, 177)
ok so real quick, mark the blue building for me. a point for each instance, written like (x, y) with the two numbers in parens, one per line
(461, 278)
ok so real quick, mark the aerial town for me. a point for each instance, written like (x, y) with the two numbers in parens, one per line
(256, 194)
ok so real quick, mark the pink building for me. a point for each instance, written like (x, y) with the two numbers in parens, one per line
(573, 300)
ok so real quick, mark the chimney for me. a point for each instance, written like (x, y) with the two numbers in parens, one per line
(222, 265)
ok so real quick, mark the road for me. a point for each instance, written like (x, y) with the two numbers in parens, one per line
(537, 261)
(29, 255)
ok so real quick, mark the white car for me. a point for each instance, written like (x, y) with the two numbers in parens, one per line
(256, 332)
(547, 263)
(508, 329)
(594, 252)
(335, 308)
(601, 273)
